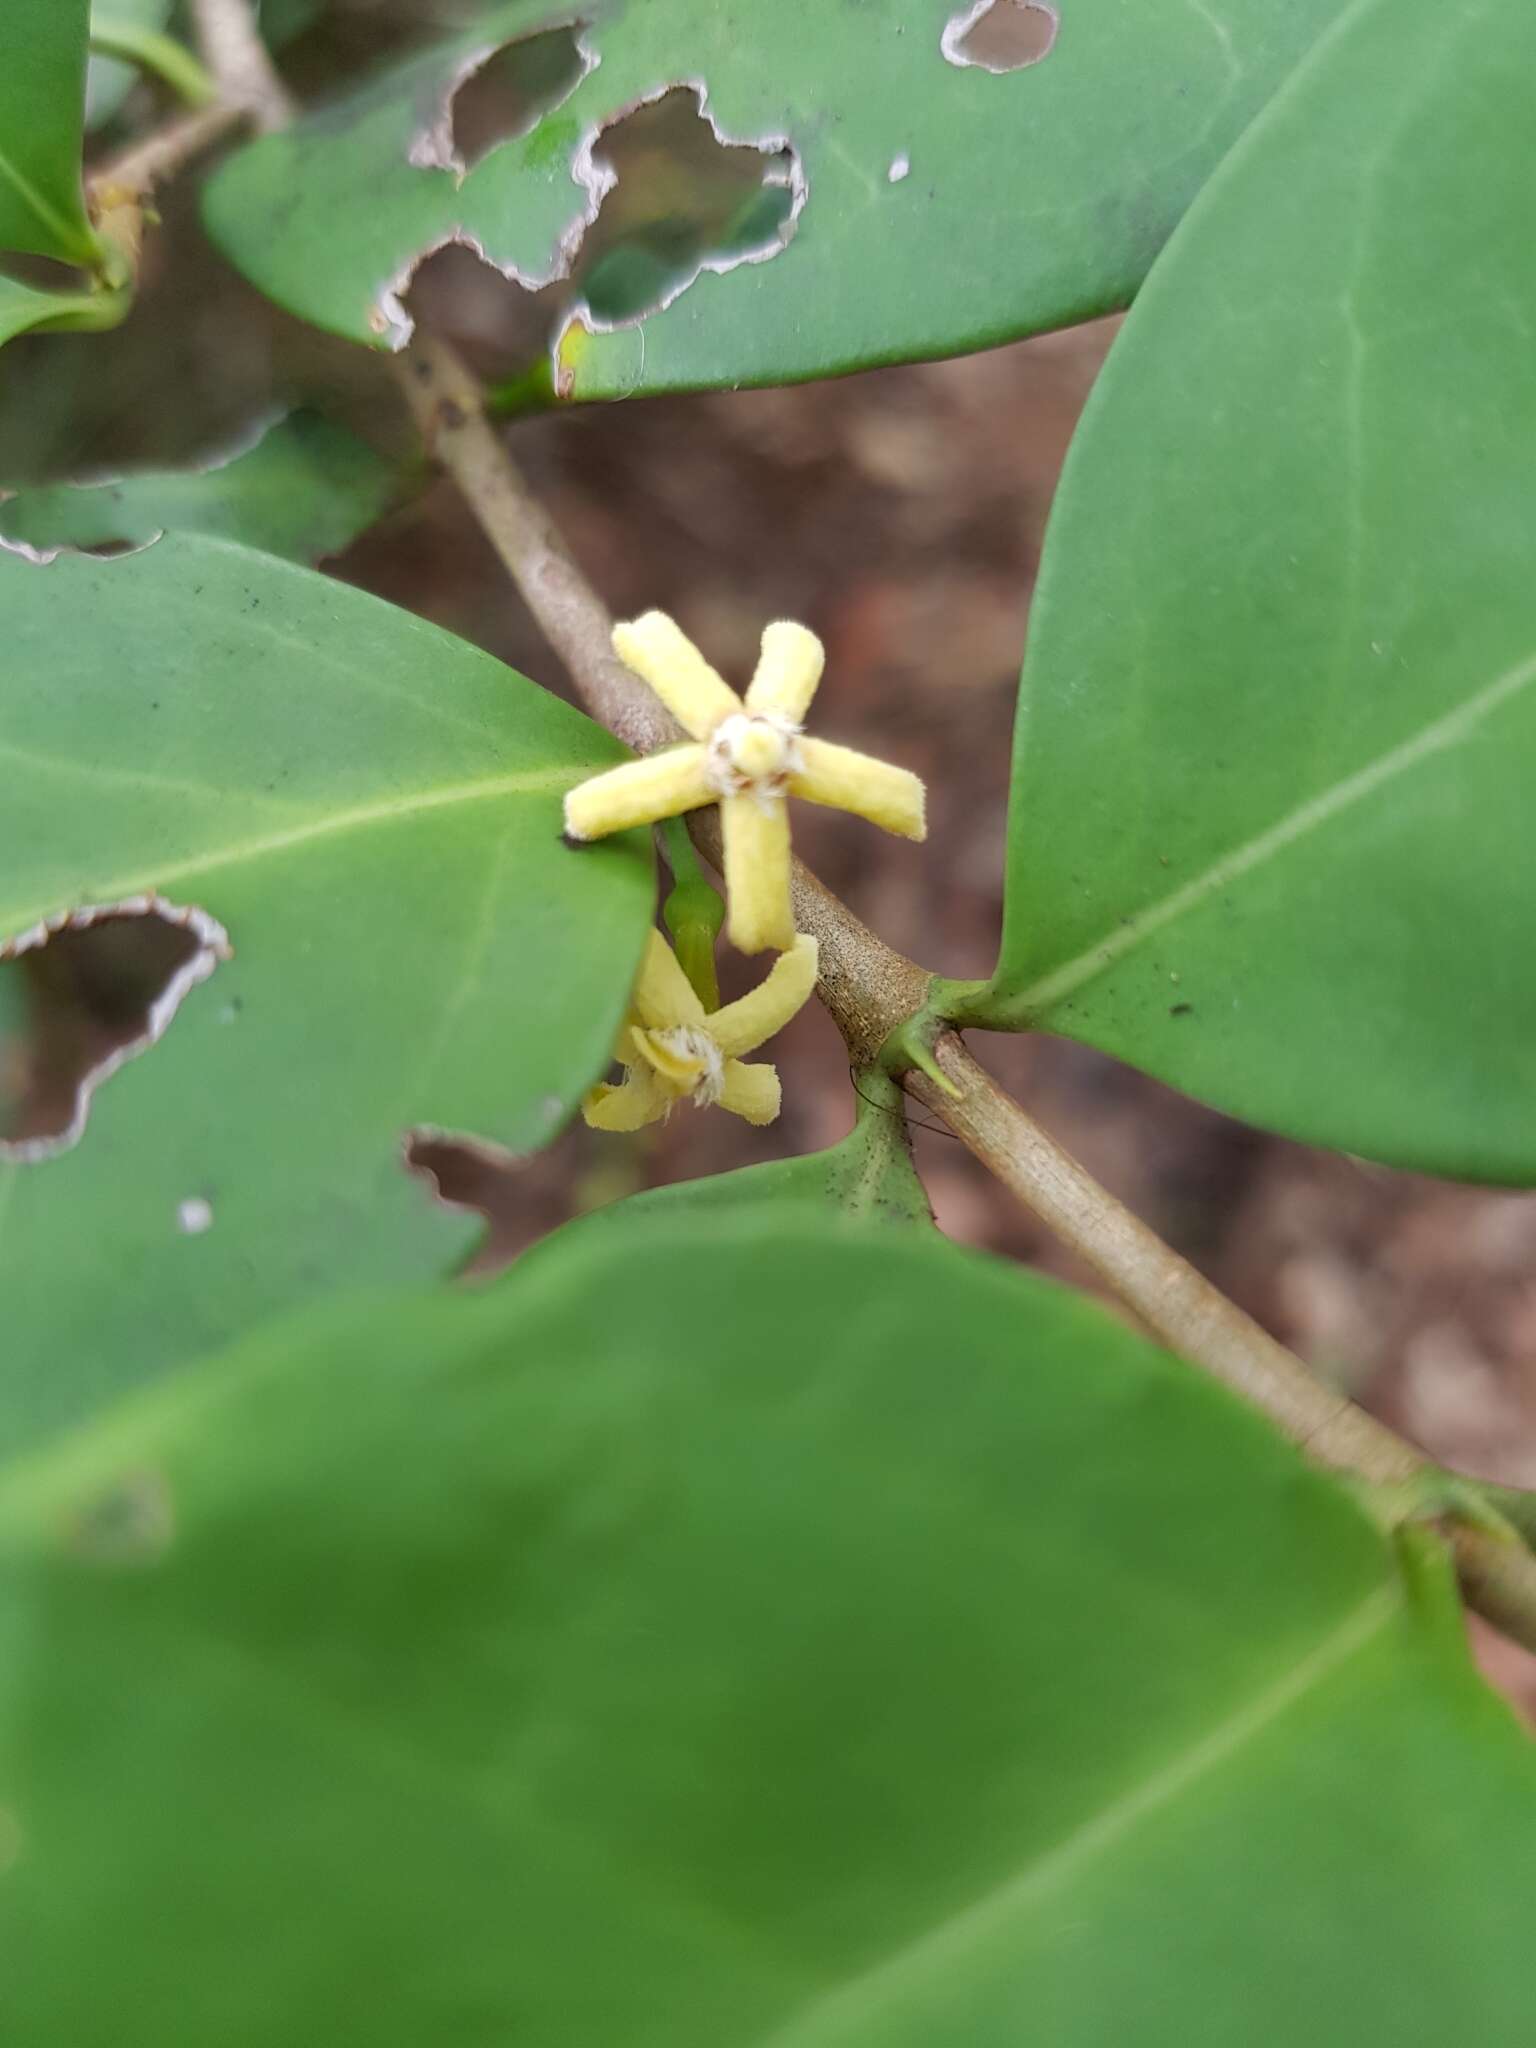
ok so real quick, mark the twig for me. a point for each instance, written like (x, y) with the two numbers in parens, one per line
(233, 51)
(1174, 1301)
(1498, 1579)
(871, 990)
(162, 153)
(1513, 1503)
(448, 404)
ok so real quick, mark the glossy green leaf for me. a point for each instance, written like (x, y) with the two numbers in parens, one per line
(867, 1177)
(26, 310)
(744, 1638)
(42, 92)
(1272, 835)
(304, 488)
(946, 207)
(371, 810)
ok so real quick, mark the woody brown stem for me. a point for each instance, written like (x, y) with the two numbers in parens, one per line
(237, 57)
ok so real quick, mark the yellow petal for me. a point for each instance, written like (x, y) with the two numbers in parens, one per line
(755, 833)
(850, 781)
(639, 1100)
(658, 649)
(663, 995)
(753, 1018)
(788, 672)
(752, 1092)
(638, 793)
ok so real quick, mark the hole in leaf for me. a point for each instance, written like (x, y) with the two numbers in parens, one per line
(487, 1180)
(507, 94)
(41, 557)
(79, 995)
(668, 197)
(522, 1198)
(466, 1173)
(1001, 35)
(504, 328)
(674, 199)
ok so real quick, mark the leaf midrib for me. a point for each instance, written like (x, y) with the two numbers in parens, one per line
(894, 1980)
(360, 818)
(1435, 738)
(65, 236)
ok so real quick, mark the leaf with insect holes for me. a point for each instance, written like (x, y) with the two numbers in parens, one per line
(303, 487)
(42, 95)
(370, 811)
(1272, 835)
(737, 1636)
(907, 200)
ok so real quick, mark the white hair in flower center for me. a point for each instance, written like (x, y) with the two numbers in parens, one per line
(689, 1043)
(752, 753)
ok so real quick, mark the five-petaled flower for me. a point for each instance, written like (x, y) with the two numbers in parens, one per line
(747, 756)
(672, 1048)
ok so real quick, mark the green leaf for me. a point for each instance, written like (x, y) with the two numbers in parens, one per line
(741, 1639)
(26, 310)
(1272, 836)
(946, 208)
(371, 810)
(143, 45)
(303, 487)
(867, 1176)
(42, 92)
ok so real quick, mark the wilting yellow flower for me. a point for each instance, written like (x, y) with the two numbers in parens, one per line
(747, 756)
(672, 1048)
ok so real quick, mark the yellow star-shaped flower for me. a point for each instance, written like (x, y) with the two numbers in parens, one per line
(747, 756)
(673, 1049)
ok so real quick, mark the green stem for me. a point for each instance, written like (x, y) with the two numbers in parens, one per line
(1512, 1504)
(159, 54)
(692, 913)
(954, 1002)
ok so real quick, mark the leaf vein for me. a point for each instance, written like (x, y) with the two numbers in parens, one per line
(891, 1983)
(1436, 738)
(361, 818)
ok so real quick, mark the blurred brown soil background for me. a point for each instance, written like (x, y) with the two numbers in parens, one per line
(900, 514)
